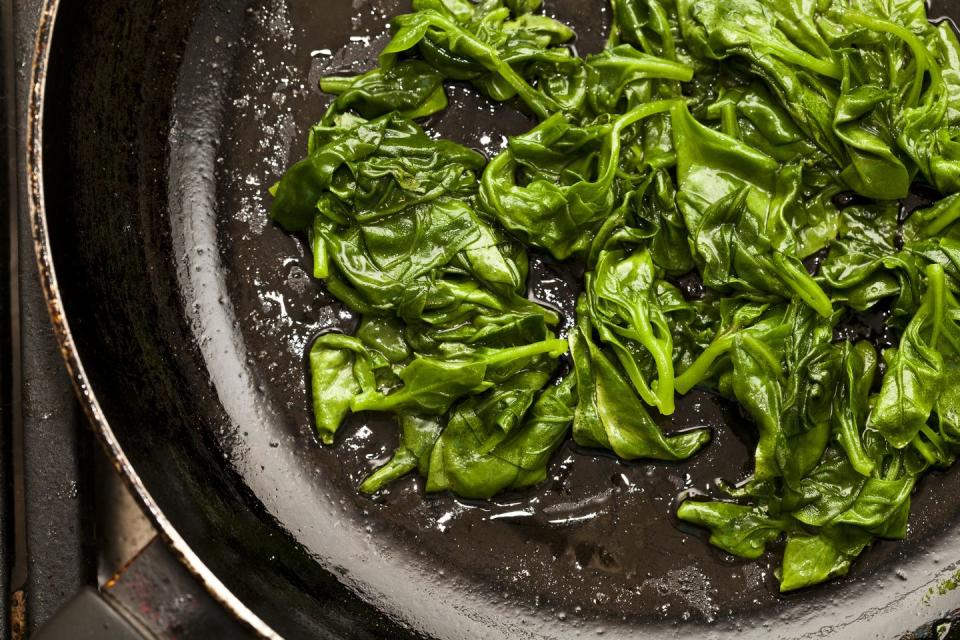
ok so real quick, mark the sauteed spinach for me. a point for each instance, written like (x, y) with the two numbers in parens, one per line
(761, 146)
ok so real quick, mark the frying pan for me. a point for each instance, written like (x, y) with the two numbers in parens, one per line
(155, 128)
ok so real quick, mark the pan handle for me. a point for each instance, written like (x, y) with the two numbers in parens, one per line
(90, 616)
(152, 597)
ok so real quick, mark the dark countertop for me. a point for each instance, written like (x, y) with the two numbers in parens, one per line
(48, 414)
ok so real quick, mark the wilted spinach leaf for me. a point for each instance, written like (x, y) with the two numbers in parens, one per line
(809, 559)
(609, 414)
(742, 531)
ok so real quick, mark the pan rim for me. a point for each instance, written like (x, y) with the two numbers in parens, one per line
(36, 211)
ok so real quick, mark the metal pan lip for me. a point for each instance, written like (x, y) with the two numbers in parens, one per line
(36, 210)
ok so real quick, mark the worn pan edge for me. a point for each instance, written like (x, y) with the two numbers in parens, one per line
(36, 210)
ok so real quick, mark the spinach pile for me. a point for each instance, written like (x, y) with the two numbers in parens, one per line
(760, 146)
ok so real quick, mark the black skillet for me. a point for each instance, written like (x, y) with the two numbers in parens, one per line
(156, 128)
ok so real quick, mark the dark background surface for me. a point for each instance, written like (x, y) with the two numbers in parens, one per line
(7, 225)
(46, 423)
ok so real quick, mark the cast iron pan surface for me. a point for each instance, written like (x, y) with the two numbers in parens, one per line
(164, 124)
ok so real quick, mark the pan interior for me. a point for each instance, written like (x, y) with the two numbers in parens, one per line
(184, 297)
